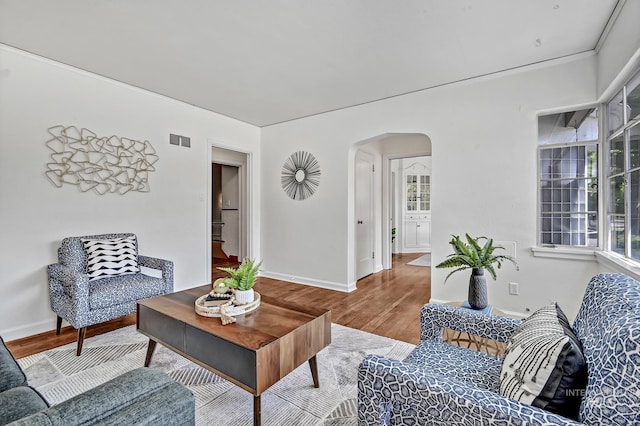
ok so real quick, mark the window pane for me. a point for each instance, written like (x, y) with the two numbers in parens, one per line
(412, 192)
(616, 195)
(634, 146)
(569, 195)
(616, 226)
(568, 127)
(569, 229)
(592, 195)
(616, 155)
(592, 230)
(634, 214)
(615, 113)
(425, 193)
(633, 97)
(592, 160)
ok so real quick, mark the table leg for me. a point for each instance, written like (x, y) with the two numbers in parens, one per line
(313, 363)
(257, 411)
(150, 349)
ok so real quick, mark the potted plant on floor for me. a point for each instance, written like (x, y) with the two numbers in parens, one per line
(242, 279)
(472, 255)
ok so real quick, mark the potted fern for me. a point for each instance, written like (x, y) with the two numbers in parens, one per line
(242, 279)
(476, 256)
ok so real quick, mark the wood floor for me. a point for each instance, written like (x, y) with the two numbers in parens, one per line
(387, 303)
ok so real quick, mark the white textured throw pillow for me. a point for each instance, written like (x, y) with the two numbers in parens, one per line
(108, 258)
(543, 363)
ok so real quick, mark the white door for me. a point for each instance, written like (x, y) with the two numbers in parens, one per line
(364, 215)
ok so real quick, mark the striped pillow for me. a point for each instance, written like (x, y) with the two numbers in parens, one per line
(108, 258)
(544, 365)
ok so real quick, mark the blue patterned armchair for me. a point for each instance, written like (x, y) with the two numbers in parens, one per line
(442, 384)
(83, 299)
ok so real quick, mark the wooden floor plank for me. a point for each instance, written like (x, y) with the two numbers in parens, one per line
(386, 303)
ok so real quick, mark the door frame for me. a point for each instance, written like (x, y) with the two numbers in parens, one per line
(388, 205)
(245, 178)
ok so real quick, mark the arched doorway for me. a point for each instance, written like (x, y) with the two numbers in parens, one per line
(382, 149)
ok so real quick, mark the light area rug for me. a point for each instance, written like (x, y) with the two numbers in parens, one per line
(424, 260)
(58, 374)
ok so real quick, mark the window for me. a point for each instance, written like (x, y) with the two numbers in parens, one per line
(623, 171)
(568, 178)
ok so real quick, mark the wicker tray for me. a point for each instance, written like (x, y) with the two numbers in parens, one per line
(214, 311)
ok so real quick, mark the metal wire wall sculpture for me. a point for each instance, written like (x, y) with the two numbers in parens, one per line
(300, 175)
(102, 164)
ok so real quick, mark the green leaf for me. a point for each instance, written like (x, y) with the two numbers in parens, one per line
(244, 276)
(473, 254)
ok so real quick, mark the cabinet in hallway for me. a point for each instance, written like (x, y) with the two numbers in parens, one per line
(417, 231)
(417, 211)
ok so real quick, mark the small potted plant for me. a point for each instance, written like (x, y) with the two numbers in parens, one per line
(242, 279)
(472, 255)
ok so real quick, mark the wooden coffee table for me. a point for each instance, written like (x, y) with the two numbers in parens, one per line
(254, 353)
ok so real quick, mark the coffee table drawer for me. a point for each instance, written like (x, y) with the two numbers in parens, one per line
(228, 358)
(164, 329)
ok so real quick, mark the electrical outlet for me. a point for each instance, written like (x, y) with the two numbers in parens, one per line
(513, 289)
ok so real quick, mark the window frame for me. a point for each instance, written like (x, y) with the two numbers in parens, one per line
(608, 136)
(569, 251)
(603, 253)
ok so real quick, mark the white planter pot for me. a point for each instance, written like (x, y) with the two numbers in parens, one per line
(244, 296)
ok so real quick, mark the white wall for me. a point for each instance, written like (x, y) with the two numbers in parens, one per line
(483, 136)
(170, 221)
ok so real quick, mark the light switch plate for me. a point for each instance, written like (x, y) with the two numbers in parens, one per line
(509, 248)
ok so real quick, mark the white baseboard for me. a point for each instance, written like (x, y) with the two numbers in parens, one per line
(28, 330)
(416, 250)
(346, 288)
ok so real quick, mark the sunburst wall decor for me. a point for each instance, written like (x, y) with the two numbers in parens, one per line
(300, 175)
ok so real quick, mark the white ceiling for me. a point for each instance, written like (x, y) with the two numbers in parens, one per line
(269, 61)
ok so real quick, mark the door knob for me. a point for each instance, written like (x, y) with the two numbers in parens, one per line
(360, 222)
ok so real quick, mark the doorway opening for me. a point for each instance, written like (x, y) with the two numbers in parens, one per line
(229, 230)
(389, 200)
(411, 204)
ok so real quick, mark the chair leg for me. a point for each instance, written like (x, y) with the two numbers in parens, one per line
(58, 325)
(81, 332)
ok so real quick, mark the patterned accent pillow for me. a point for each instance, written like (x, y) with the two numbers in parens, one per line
(108, 258)
(544, 365)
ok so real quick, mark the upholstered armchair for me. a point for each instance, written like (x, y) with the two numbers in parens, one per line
(439, 383)
(99, 278)
(138, 397)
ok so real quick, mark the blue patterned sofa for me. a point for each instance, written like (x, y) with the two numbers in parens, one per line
(83, 301)
(138, 397)
(442, 384)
